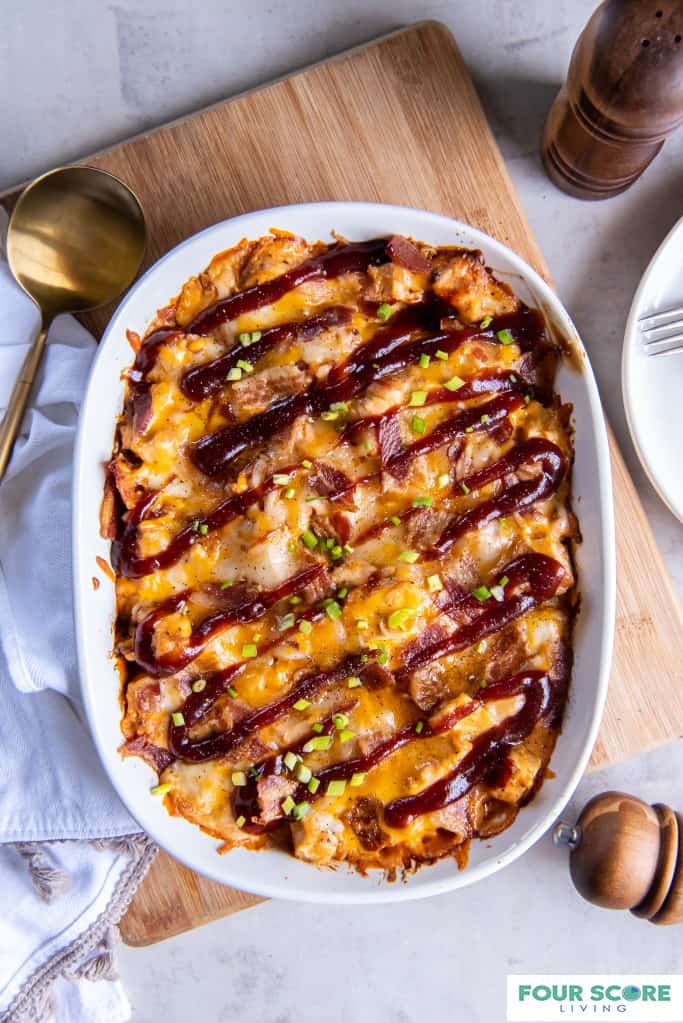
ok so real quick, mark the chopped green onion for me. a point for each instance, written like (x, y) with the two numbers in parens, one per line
(302, 704)
(305, 627)
(498, 593)
(424, 361)
(289, 493)
(288, 805)
(443, 480)
(434, 583)
(527, 399)
(256, 335)
(481, 646)
(343, 592)
(465, 489)
(290, 759)
(486, 322)
(336, 553)
(294, 600)
(367, 445)
(286, 622)
(281, 478)
(300, 811)
(199, 685)
(161, 790)
(245, 338)
(329, 543)
(249, 650)
(399, 619)
(339, 406)
(484, 418)
(226, 585)
(481, 593)
(423, 502)
(336, 787)
(441, 355)
(454, 384)
(307, 463)
(348, 549)
(195, 525)
(314, 785)
(419, 726)
(340, 721)
(469, 429)
(203, 529)
(504, 580)
(408, 556)
(384, 312)
(238, 778)
(232, 692)
(317, 727)
(178, 719)
(333, 610)
(417, 398)
(353, 682)
(241, 821)
(309, 539)
(303, 774)
(234, 374)
(395, 520)
(417, 425)
(246, 366)
(512, 378)
(362, 624)
(318, 742)
(504, 336)
(329, 416)
(357, 779)
(382, 653)
(346, 735)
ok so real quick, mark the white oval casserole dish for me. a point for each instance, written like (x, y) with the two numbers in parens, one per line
(273, 873)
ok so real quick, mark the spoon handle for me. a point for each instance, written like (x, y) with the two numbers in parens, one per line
(17, 403)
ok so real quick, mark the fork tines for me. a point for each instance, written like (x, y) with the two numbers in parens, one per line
(662, 333)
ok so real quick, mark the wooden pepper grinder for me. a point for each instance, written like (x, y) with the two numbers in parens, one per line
(622, 97)
(626, 854)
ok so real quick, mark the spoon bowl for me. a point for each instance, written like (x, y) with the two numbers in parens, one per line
(75, 241)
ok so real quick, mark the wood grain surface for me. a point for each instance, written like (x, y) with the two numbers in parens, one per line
(395, 121)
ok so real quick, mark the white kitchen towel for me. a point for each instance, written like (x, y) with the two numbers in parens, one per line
(70, 854)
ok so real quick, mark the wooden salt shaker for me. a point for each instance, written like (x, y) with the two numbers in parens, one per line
(622, 98)
(626, 854)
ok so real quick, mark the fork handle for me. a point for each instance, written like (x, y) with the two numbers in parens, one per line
(19, 397)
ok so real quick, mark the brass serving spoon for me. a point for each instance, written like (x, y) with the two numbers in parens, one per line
(75, 241)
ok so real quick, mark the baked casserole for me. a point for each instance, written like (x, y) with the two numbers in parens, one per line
(339, 506)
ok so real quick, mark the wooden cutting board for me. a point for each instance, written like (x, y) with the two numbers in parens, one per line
(397, 121)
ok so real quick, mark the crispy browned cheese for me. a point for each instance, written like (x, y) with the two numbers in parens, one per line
(341, 524)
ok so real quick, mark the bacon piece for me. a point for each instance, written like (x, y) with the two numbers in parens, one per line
(140, 411)
(405, 254)
(108, 508)
(272, 790)
(153, 755)
(390, 447)
(328, 481)
(364, 821)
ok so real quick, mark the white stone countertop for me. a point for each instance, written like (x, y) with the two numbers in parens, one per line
(79, 74)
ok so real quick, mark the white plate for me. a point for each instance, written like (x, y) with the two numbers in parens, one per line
(653, 385)
(270, 872)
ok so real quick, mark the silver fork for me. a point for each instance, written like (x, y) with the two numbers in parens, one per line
(662, 333)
